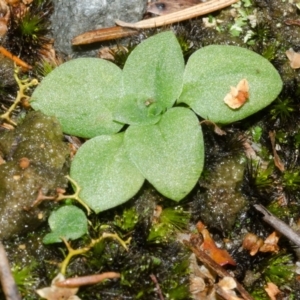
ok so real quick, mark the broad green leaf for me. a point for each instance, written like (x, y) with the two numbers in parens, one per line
(212, 70)
(69, 222)
(170, 153)
(82, 94)
(152, 79)
(104, 172)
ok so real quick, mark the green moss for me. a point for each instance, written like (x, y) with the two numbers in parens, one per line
(256, 133)
(291, 183)
(264, 175)
(282, 109)
(291, 180)
(29, 26)
(128, 219)
(279, 269)
(283, 212)
(169, 222)
(269, 52)
(25, 277)
(28, 35)
(260, 294)
(297, 139)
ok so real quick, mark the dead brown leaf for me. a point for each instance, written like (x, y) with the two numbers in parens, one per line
(238, 95)
(294, 58)
(228, 284)
(220, 256)
(217, 129)
(197, 285)
(270, 243)
(272, 290)
(53, 292)
(106, 53)
(252, 243)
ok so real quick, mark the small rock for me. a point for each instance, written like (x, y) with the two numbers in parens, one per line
(7, 72)
(71, 18)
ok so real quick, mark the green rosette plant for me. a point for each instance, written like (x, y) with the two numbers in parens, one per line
(142, 121)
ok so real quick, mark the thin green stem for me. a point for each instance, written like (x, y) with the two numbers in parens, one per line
(23, 86)
(72, 252)
(75, 196)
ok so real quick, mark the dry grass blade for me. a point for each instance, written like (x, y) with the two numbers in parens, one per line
(185, 14)
(103, 34)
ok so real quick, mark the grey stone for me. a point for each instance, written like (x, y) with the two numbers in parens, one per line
(71, 18)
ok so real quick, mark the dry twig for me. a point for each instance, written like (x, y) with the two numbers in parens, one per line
(87, 280)
(15, 59)
(158, 289)
(105, 34)
(178, 16)
(280, 226)
(9, 286)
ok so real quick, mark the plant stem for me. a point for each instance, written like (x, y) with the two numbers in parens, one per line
(23, 86)
(72, 252)
(75, 196)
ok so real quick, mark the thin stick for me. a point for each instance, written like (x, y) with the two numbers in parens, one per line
(87, 280)
(210, 263)
(178, 16)
(14, 58)
(292, 22)
(116, 32)
(280, 226)
(158, 289)
(102, 34)
(9, 286)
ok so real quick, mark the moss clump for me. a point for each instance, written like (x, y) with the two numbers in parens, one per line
(279, 270)
(38, 141)
(223, 201)
(28, 34)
